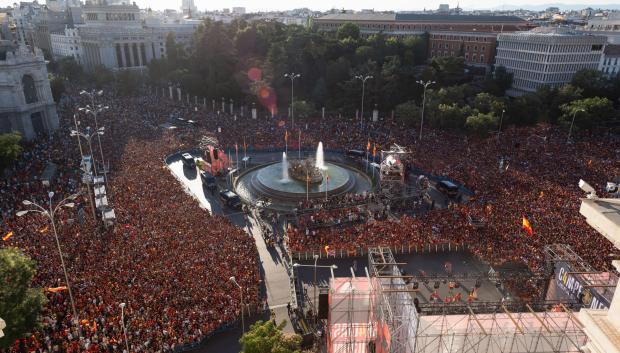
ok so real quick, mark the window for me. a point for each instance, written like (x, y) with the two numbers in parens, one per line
(30, 91)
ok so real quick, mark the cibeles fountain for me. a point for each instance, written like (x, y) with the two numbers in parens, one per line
(291, 180)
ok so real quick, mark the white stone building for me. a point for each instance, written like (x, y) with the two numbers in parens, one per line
(67, 44)
(27, 104)
(547, 56)
(608, 26)
(610, 61)
(116, 37)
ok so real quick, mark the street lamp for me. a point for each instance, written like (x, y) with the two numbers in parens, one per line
(363, 79)
(94, 112)
(332, 267)
(292, 76)
(425, 85)
(88, 136)
(50, 213)
(570, 131)
(234, 281)
(122, 305)
(501, 119)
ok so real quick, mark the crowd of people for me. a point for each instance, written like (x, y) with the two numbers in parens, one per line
(167, 259)
(170, 261)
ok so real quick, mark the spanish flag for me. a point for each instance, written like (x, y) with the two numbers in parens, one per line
(286, 136)
(327, 249)
(374, 150)
(527, 227)
(7, 236)
(56, 289)
(368, 146)
(44, 229)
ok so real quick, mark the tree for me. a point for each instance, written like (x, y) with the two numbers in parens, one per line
(481, 123)
(408, 113)
(348, 30)
(69, 69)
(486, 103)
(128, 82)
(101, 76)
(57, 85)
(450, 70)
(588, 112)
(303, 109)
(501, 81)
(450, 116)
(10, 149)
(266, 337)
(592, 82)
(525, 110)
(20, 304)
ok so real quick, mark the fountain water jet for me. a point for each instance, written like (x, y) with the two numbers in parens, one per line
(285, 177)
(320, 160)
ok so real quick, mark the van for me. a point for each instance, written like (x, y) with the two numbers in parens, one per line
(230, 199)
(208, 180)
(188, 160)
(448, 188)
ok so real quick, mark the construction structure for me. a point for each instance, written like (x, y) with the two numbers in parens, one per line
(382, 313)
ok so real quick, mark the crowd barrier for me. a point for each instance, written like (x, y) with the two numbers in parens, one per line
(403, 249)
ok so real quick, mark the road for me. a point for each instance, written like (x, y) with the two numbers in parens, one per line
(274, 273)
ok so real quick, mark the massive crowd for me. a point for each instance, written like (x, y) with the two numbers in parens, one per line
(167, 259)
(170, 261)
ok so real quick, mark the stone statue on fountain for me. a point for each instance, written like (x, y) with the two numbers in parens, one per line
(305, 171)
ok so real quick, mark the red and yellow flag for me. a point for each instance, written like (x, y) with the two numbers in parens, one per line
(374, 150)
(327, 249)
(56, 289)
(286, 136)
(368, 146)
(527, 227)
(44, 229)
(7, 236)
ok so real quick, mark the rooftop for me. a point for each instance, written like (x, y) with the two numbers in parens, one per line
(604, 216)
(425, 18)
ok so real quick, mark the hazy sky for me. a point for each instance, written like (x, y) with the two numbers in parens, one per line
(398, 5)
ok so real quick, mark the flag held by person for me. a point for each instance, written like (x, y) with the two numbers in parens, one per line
(7, 236)
(56, 289)
(527, 226)
(368, 146)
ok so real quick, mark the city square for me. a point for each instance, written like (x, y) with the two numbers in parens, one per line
(316, 187)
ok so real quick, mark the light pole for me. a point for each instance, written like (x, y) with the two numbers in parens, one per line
(292, 76)
(570, 131)
(122, 305)
(332, 267)
(425, 85)
(50, 213)
(501, 119)
(88, 136)
(83, 167)
(234, 281)
(363, 79)
(94, 112)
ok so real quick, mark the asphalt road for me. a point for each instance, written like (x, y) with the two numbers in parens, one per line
(274, 273)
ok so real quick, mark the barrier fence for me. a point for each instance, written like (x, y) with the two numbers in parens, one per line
(403, 249)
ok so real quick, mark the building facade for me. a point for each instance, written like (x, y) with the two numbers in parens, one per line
(116, 37)
(547, 56)
(27, 104)
(472, 37)
(67, 44)
(610, 61)
(608, 26)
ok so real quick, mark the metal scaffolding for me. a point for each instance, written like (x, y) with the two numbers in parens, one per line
(506, 328)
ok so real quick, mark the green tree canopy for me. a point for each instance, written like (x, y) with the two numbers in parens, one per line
(408, 113)
(588, 112)
(592, 82)
(481, 123)
(57, 85)
(266, 337)
(10, 149)
(20, 304)
(348, 30)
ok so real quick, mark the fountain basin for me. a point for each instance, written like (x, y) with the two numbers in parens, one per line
(265, 182)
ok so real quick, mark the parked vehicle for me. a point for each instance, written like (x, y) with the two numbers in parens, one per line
(188, 160)
(230, 199)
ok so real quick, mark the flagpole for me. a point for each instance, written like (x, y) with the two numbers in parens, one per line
(237, 155)
(299, 155)
(326, 184)
(286, 142)
(307, 196)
